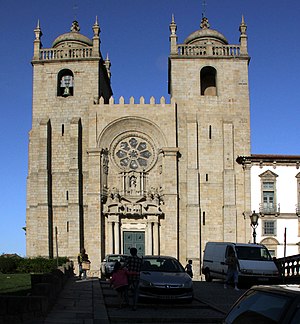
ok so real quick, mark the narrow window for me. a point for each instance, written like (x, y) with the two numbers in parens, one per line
(208, 81)
(67, 195)
(62, 130)
(268, 193)
(209, 132)
(67, 226)
(206, 177)
(298, 194)
(203, 218)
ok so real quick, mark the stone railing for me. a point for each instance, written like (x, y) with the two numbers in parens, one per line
(209, 50)
(289, 268)
(69, 53)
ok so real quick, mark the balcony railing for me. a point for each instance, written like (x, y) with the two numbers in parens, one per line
(269, 209)
(70, 53)
(209, 50)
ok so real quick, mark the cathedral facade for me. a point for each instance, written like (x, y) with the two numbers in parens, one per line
(108, 175)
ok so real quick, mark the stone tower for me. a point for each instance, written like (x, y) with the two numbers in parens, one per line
(66, 79)
(108, 175)
(208, 80)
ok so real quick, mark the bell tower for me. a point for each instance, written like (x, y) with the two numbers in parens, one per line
(208, 80)
(68, 77)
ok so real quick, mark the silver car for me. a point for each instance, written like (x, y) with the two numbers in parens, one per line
(107, 265)
(163, 277)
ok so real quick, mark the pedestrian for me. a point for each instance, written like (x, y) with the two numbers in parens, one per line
(82, 258)
(232, 271)
(189, 268)
(119, 281)
(133, 265)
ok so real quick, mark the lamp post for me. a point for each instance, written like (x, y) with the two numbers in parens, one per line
(254, 222)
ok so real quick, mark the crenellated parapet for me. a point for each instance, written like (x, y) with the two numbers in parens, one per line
(132, 101)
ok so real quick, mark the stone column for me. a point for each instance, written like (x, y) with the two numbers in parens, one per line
(110, 246)
(156, 237)
(117, 235)
(149, 246)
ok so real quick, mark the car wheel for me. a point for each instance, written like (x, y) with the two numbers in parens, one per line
(207, 275)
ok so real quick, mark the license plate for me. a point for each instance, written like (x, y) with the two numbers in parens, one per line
(167, 297)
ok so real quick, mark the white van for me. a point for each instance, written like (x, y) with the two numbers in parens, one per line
(255, 264)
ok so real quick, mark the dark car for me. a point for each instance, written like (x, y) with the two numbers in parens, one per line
(163, 277)
(107, 265)
(267, 305)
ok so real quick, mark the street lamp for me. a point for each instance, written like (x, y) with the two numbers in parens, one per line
(254, 222)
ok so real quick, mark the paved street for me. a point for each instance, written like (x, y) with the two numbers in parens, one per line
(94, 302)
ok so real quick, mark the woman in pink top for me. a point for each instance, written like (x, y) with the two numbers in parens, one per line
(119, 281)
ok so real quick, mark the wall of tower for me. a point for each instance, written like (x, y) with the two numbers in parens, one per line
(212, 132)
(66, 156)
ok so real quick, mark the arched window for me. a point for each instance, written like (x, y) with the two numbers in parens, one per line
(65, 83)
(208, 81)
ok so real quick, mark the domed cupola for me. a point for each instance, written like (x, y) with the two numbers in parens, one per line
(205, 35)
(73, 38)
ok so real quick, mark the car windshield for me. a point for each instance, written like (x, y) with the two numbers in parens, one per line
(161, 265)
(115, 258)
(260, 307)
(257, 253)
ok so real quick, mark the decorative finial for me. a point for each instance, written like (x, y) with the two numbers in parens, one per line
(243, 26)
(173, 18)
(75, 27)
(96, 28)
(204, 23)
(38, 31)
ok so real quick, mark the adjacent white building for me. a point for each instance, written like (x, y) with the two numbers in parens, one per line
(275, 196)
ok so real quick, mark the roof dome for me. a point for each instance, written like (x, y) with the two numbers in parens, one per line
(72, 37)
(205, 35)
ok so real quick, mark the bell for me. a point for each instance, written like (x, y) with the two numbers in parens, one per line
(66, 92)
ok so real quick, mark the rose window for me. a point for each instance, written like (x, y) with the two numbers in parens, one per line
(134, 153)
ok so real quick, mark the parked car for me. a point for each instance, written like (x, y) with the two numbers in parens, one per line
(107, 265)
(267, 305)
(163, 277)
(255, 264)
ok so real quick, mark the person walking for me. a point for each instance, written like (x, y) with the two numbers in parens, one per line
(82, 257)
(189, 268)
(119, 281)
(133, 266)
(232, 271)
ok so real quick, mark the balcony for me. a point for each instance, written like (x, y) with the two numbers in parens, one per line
(269, 209)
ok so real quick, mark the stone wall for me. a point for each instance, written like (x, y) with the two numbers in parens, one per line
(44, 290)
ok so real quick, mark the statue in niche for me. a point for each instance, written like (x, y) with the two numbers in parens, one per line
(132, 184)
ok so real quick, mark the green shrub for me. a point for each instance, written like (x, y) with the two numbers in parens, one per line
(8, 264)
(16, 264)
(39, 265)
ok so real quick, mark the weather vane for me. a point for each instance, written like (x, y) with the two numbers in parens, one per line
(203, 8)
(75, 8)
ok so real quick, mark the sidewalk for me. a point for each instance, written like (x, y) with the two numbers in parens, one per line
(80, 302)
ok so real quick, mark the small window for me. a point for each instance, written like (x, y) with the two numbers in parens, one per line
(65, 83)
(208, 81)
(269, 228)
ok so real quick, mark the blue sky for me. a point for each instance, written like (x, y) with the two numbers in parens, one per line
(135, 34)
